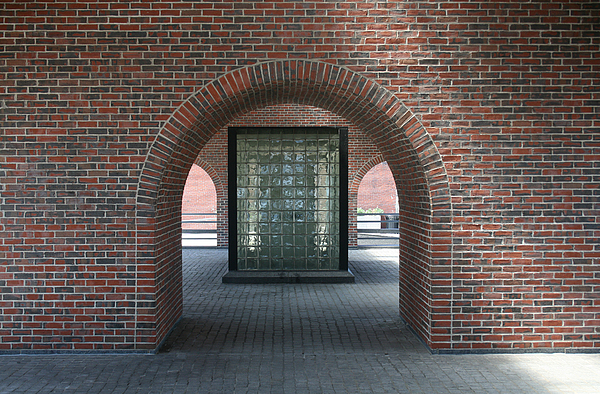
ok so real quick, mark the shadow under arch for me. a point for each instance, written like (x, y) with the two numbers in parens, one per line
(423, 191)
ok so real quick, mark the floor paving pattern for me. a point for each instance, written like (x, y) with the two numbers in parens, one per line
(296, 338)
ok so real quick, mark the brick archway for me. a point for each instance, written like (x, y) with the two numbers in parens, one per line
(221, 195)
(353, 197)
(417, 167)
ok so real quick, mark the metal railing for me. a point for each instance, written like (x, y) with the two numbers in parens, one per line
(377, 230)
(199, 230)
(373, 230)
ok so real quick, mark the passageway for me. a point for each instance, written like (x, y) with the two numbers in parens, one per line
(300, 338)
(297, 319)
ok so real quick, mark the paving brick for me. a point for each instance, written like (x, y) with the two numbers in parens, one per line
(309, 338)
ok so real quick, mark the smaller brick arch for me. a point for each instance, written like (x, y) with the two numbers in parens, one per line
(423, 191)
(353, 186)
(221, 192)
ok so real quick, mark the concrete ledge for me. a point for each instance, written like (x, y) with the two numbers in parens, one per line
(262, 277)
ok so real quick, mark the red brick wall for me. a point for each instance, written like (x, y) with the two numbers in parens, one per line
(199, 196)
(377, 190)
(486, 112)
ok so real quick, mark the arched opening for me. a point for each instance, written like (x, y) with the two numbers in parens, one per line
(424, 203)
(377, 208)
(199, 210)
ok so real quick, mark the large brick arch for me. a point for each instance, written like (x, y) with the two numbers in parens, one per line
(423, 192)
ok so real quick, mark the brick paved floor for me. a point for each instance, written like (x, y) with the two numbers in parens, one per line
(297, 338)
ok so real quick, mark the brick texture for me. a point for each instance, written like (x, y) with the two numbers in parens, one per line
(486, 112)
(199, 196)
(377, 190)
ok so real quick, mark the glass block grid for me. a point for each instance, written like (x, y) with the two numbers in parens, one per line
(288, 199)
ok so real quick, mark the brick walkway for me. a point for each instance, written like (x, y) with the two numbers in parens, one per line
(297, 339)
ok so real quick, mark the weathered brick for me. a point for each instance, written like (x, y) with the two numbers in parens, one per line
(485, 112)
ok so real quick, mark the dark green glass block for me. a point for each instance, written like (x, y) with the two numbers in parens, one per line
(286, 183)
(287, 228)
(288, 241)
(252, 252)
(300, 252)
(252, 205)
(300, 217)
(263, 253)
(276, 216)
(264, 264)
(287, 144)
(300, 228)
(252, 181)
(276, 243)
(274, 181)
(323, 144)
(288, 263)
(288, 214)
(288, 253)
(275, 148)
(263, 217)
(287, 157)
(263, 205)
(251, 145)
(300, 264)
(252, 192)
(323, 183)
(312, 264)
(326, 263)
(252, 159)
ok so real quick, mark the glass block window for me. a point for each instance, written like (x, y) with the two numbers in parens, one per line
(289, 198)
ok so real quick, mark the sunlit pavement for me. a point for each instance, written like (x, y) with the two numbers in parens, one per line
(300, 338)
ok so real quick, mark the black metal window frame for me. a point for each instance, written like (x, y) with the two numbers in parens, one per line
(232, 185)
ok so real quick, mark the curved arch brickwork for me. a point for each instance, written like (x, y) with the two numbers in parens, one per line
(220, 182)
(353, 186)
(510, 102)
(401, 139)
